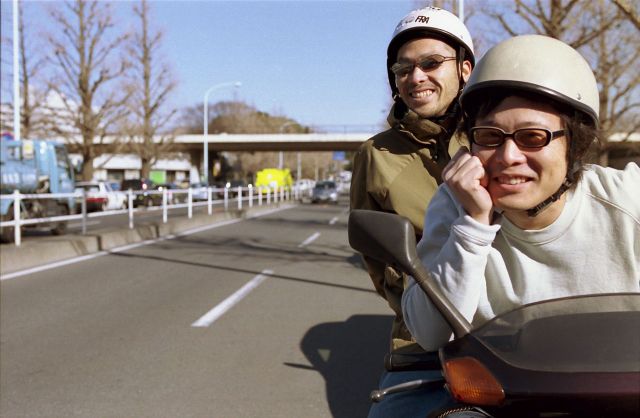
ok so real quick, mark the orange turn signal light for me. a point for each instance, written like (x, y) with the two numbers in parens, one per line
(470, 382)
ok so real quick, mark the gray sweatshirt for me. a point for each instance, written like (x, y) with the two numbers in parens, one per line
(486, 270)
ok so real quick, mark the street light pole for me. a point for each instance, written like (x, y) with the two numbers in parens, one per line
(205, 165)
(281, 155)
(16, 72)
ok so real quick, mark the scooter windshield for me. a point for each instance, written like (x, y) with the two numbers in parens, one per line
(596, 333)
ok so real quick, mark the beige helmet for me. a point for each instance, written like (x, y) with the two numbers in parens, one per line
(429, 22)
(538, 64)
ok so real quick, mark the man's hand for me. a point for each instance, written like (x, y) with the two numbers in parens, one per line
(468, 181)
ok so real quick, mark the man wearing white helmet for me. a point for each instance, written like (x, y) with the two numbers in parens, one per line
(522, 217)
(429, 59)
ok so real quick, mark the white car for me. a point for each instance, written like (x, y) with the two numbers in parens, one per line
(102, 195)
(325, 192)
(305, 186)
(199, 191)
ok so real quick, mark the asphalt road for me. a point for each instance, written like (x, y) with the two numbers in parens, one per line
(264, 317)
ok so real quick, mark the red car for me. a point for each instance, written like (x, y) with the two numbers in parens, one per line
(96, 200)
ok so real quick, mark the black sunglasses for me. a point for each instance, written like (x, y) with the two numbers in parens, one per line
(425, 64)
(491, 137)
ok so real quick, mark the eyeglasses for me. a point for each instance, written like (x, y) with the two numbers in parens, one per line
(425, 64)
(491, 137)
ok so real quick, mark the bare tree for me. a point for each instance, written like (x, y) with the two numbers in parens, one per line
(630, 10)
(313, 163)
(236, 117)
(151, 83)
(6, 71)
(607, 36)
(33, 95)
(239, 117)
(83, 55)
(616, 55)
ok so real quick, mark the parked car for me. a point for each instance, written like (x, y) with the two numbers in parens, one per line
(305, 187)
(199, 192)
(142, 187)
(233, 187)
(217, 189)
(115, 185)
(343, 186)
(101, 196)
(325, 191)
(95, 200)
(173, 196)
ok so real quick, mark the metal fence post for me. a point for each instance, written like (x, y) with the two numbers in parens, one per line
(17, 237)
(209, 200)
(164, 205)
(130, 197)
(190, 207)
(226, 199)
(250, 196)
(83, 207)
(239, 195)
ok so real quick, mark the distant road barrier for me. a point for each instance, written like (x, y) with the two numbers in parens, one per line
(170, 199)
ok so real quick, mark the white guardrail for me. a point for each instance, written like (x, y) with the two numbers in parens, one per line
(169, 199)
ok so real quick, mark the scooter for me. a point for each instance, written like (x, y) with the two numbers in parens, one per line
(569, 357)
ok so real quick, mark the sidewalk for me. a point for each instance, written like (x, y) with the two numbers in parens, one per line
(45, 250)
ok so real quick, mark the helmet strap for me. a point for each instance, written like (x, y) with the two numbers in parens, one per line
(453, 112)
(449, 120)
(534, 211)
(460, 62)
(400, 108)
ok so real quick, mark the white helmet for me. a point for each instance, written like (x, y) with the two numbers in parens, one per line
(429, 22)
(535, 63)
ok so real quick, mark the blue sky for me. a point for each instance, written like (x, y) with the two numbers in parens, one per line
(318, 62)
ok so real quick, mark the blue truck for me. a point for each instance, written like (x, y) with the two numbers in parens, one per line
(35, 167)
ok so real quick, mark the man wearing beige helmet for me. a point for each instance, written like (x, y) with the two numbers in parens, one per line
(521, 217)
(429, 59)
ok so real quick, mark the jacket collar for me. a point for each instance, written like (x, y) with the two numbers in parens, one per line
(417, 128)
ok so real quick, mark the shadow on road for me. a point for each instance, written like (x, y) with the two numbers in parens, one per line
(349, 355)
(252, 272)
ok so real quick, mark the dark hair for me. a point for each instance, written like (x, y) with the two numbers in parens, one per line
(583, 137)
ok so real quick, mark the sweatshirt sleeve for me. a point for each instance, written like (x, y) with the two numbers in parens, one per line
(454, 249)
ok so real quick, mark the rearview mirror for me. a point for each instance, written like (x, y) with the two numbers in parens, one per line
(391, 239)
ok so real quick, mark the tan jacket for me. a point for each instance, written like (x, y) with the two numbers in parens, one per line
(397, 171)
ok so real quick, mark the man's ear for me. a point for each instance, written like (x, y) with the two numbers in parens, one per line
(466, 70)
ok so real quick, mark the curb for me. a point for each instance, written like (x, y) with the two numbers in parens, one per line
(47, 250)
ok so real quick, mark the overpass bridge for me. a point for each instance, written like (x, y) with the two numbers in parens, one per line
(251, 142)
(274, 142)
(193, 147)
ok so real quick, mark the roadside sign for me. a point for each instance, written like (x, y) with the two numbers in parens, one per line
(339, 156)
